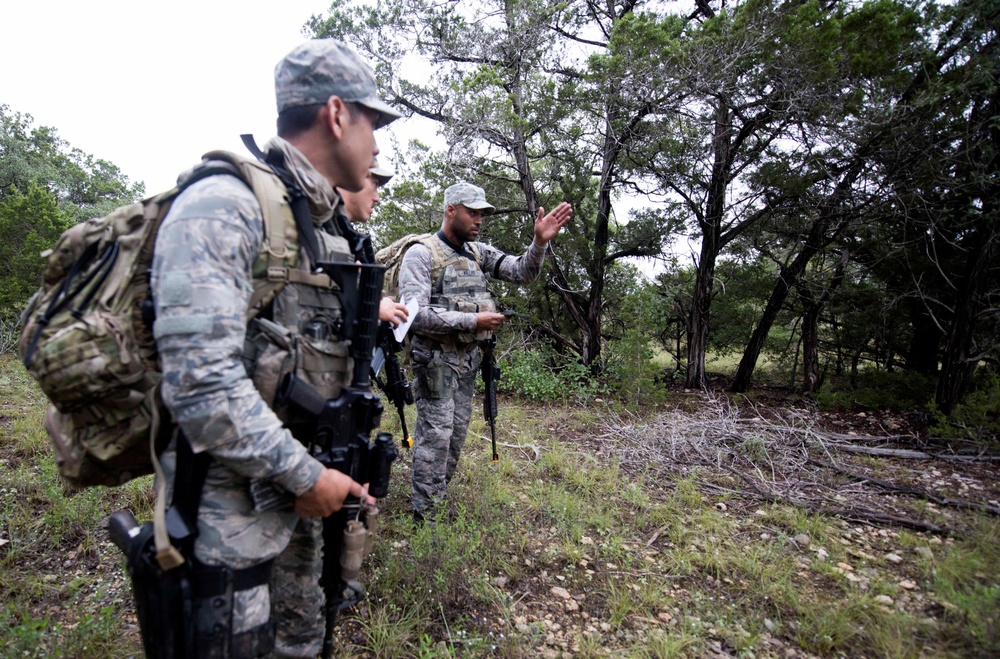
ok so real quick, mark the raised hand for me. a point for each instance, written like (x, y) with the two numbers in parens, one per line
(547, 226)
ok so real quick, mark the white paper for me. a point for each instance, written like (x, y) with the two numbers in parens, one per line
(400, 330)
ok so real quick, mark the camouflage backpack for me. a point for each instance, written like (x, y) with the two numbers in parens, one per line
(392, 258)
(87, 337)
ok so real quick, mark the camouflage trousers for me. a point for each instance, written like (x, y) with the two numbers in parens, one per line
(443, 389)
(298, 599)
(231, 534)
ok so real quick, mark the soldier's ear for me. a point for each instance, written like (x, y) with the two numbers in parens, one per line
(336, 116)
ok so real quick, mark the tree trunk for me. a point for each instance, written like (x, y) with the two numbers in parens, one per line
(958, 364)
(711, 229)
(922, 353)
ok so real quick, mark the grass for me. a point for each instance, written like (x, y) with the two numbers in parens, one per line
(563, 555)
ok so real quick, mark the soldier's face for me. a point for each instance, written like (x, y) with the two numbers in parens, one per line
(359, 205)
(357, 150)
(464, 222)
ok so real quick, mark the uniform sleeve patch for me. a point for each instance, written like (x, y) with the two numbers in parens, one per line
(175, 290)
(194, 324)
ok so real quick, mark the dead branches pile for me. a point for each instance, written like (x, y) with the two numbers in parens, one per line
(781, 456)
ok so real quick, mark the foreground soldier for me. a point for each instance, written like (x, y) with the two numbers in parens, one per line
(447, 274)
(202, 281)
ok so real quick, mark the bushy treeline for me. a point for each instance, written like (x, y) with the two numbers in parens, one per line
(828, 169)
(46, 186)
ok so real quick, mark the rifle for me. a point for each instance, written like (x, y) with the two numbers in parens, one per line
(395, 386)
(338, 434)
(491, 373)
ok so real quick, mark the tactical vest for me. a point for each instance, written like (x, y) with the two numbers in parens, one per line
(302, 333)
(459, 284)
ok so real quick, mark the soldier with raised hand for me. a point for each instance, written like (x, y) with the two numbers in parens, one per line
(447, 274)
(219, 391)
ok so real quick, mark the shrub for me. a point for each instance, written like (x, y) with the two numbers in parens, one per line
(538, 374)
(897, 391)
(977, 417)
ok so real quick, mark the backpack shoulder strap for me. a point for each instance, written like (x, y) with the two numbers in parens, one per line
(279, 256)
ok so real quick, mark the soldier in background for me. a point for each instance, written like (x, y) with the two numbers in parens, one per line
(356, 208)
(202, 279)
(447, 274)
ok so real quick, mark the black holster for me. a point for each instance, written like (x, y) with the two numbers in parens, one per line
(186, 612)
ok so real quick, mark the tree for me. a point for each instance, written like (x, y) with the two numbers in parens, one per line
(83, 186)
(532, 111)
(45, 187)
(29, 224)
(751, 81)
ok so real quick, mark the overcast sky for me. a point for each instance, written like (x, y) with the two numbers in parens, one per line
(150, 86)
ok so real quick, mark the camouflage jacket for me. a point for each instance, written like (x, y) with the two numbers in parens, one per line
(415, 281)
(201, 281)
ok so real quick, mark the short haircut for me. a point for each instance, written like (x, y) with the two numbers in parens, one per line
(296, 120)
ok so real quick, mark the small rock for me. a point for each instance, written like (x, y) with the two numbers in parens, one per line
(664, 616)
(558, 591)
(884, 599)
(802, 540)
(908, 584)
(769, 624)
(500, 582)
(822, 554)
(571, 605)
(721, 506)
(925, 552)
(765, 536)
(894, 558)
(586, 540)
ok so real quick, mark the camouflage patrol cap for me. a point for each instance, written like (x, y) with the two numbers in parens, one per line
(321, 68)
(468, 195)
(381, 174)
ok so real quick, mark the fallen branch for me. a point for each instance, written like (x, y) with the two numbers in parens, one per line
(912, 491)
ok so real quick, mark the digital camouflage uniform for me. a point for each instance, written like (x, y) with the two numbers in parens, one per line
(444, 354)
(201, 281)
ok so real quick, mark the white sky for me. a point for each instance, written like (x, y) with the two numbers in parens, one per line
(151, 86)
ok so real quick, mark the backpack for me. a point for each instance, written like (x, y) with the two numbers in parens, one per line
(392, 255)
(87, 333)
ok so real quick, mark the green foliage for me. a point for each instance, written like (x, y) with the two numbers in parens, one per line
(541, 375)
(898, 391)
(977, 417)
(631, 370)
(45, 187)
(84, 186)
(29, 223)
